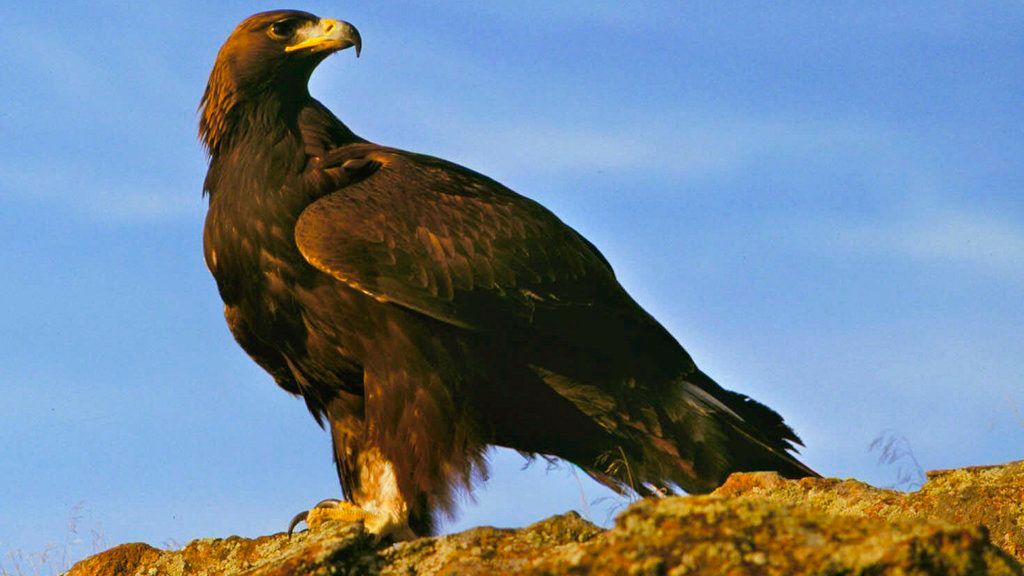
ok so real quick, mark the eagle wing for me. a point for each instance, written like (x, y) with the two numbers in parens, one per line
(458, 247)
(447, 242)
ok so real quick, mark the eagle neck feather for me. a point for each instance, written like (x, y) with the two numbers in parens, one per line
(252, 133)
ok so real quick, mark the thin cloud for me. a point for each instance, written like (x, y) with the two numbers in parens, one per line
(675, 146)
(146, 206)
(945, 234)
(982, 240)
(652, 15)
(87, 194)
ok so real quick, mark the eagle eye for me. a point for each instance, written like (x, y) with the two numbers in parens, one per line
(283, 29)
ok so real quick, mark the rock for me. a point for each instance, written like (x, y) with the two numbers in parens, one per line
(118, 561)
(988, 495)
(968, 521)
(708, 535)
(346, 546)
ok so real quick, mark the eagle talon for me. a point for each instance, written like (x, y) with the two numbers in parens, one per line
(336, 510)
(302, 516)
(328, 503)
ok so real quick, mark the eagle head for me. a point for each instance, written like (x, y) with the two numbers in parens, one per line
(268, 54)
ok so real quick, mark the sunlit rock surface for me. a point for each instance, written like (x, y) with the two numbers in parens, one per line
(968, 521)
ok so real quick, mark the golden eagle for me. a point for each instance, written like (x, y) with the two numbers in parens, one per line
(426, 312)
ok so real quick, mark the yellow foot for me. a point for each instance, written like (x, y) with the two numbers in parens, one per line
(333, 510)
(336, 511)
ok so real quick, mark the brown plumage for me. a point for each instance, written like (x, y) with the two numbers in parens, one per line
(426, 312)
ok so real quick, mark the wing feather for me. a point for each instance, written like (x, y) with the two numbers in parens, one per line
(447, 242)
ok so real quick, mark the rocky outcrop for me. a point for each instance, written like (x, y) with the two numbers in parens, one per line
(968, 521)
(992, 496)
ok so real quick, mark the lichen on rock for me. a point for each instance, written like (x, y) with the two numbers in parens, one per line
(962, 522)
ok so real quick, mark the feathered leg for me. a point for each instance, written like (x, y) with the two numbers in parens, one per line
(368, 479)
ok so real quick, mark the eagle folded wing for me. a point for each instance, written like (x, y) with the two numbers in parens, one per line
(452, 244)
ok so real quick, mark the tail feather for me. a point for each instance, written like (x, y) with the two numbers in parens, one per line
(704, 434)
(743, 436)
(690, 434)
(759, 439)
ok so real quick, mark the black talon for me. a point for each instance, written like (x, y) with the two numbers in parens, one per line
(301, 516)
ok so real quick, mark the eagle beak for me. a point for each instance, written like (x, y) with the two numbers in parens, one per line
(327, 35)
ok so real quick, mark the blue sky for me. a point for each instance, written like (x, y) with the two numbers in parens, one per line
(823, 201)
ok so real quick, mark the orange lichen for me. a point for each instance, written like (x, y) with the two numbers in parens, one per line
(755, 524)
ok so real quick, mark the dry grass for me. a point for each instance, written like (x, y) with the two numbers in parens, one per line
(57, 557)
(894, 450)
